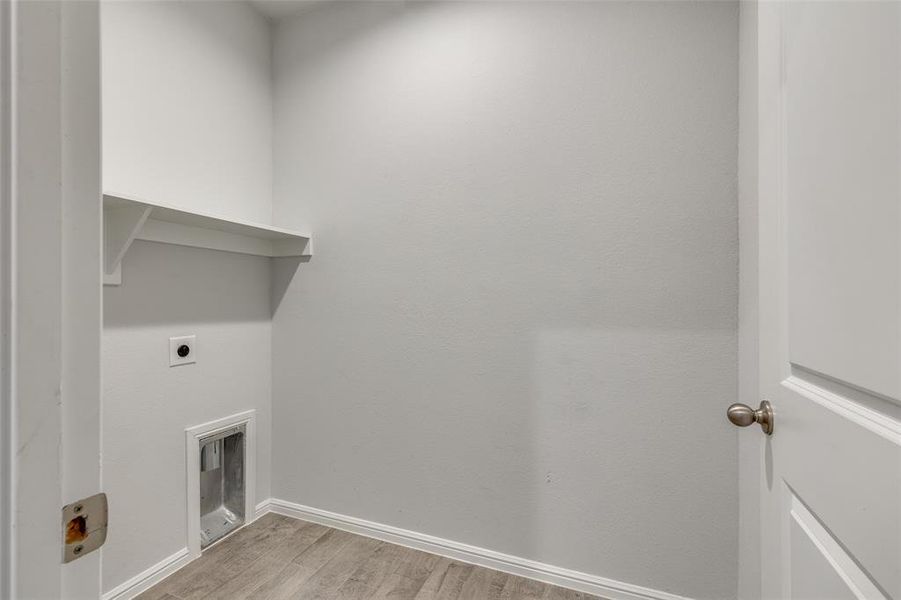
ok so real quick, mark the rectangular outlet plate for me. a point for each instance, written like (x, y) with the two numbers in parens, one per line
(177, 348)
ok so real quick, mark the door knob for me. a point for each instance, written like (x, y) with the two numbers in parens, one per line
(743, 415)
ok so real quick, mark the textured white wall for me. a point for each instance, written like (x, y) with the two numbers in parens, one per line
(187, 105)
(519, 330)
(168, 291)
(187, 120)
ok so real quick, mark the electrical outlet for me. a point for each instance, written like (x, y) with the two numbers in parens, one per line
(182, 350)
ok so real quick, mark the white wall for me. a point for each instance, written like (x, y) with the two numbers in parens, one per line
(519, 330)
(187, 105)
(187, 120)
(223, 299)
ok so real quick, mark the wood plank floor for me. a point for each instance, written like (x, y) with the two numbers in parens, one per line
(278, 558)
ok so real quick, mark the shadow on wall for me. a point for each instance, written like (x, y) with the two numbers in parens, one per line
(342, 26)
(282, 273)
(164, 284)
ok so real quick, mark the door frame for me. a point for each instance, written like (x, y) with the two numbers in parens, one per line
(6, 338)
(50, 290)
(750, 447)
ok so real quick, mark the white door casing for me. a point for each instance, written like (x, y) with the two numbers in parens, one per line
(7, 451)
(829, 134)
(51, 288)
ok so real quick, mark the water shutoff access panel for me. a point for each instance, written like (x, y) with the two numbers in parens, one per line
(221, 484)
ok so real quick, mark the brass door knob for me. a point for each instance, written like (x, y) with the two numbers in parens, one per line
(743, 415)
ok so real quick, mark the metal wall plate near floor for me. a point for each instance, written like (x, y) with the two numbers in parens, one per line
(222, 484)
(221, 469)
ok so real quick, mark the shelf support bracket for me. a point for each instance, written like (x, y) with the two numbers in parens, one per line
(121, 227)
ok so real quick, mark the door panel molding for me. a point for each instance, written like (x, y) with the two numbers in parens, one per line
(872, 420)
(800, 521)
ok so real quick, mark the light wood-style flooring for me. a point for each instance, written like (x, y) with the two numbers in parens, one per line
(278, 558)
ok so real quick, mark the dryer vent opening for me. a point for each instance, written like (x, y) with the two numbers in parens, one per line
(221, 484)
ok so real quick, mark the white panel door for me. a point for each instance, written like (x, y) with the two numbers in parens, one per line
(830, 305)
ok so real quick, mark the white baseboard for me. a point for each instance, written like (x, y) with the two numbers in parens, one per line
(583, 582)
(144, 581)
(262, 508)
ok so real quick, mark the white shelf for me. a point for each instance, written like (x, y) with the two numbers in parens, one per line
(126, 219)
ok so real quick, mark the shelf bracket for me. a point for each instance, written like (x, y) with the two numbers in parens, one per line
(121, 227)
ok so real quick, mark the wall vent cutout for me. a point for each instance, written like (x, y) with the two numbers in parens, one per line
(221, 468)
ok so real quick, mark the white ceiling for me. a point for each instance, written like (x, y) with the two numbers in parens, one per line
(277, 9)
